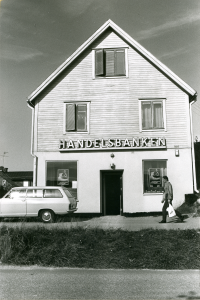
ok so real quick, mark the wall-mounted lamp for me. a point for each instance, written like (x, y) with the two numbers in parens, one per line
(176, 152)
(112, 165)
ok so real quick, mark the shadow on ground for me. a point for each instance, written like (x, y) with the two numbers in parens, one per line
(191, 295)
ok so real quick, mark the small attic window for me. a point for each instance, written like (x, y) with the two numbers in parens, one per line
(110, 62)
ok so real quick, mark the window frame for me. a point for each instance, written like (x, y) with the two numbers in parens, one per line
(19, 191)
(94, 76)
(87, 114)
(62, 162)
(163, 100)
(64, 166)
(152, 160)
(52, 196)
(35, 194)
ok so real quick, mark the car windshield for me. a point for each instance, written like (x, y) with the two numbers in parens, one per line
(16, 194)
(7, 195)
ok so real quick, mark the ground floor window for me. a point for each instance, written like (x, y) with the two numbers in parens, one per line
(62, 173)
(153, 170)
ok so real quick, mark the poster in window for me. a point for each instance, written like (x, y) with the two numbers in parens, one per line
(63, 176)
(155, 177)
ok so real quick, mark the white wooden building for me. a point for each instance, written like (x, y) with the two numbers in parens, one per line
(109, 123)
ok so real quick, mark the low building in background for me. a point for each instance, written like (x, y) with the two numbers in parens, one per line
(22, 178)
(6, 183)
(9, 180)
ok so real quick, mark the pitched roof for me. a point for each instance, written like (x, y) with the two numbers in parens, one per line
(189, 90)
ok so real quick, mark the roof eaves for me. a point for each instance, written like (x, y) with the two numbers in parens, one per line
(68, 61)
(155, 61)
(127, 37)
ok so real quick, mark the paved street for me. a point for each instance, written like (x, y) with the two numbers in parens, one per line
(53, 283)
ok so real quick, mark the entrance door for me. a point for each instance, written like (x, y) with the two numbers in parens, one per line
(112, 193)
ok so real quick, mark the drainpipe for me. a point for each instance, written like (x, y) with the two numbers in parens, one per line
(192, 146)
(30, 105)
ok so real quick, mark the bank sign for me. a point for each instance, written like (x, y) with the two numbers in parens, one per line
(106, 144)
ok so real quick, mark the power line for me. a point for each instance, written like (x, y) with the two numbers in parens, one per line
(196, 113)
(196, 108)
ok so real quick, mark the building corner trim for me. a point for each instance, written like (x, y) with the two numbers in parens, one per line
(192, 147)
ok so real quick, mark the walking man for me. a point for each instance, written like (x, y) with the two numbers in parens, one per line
(167, 199)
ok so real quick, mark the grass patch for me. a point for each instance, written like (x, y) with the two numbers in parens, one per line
(98, 248)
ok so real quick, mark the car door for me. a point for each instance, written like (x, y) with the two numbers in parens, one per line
(14, 204)
(34, 201)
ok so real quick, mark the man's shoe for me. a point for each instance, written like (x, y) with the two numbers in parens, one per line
(162, 221)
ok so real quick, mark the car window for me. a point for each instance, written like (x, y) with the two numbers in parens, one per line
(52, 193)
(69, 195)
(34, 193)
(18, 194)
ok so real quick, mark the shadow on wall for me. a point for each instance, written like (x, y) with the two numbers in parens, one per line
(194, 199)
(197, 162)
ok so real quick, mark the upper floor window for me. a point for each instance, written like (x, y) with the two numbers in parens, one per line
(110, 62)
(152, 114)
(76, 117)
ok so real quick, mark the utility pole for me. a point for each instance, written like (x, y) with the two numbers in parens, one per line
(4, 155)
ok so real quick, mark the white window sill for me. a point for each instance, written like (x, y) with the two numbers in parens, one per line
(150, 130)
(114, 77)
(152, 194)
(75, 132)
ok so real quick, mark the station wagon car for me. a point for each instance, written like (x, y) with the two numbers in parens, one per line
(44, 202)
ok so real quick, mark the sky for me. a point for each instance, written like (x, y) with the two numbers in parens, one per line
(37, 36)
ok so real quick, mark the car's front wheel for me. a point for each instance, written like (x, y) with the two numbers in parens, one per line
(47, 216)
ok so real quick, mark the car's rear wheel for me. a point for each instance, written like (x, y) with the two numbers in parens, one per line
(47, 216)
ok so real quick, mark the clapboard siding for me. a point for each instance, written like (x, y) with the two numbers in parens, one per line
(114, 104)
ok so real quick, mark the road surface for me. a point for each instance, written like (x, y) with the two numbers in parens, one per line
(62, 283)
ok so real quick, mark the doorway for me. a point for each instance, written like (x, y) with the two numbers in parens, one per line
(112, 202)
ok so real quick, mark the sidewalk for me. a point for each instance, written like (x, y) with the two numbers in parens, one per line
(138, 223)
(118, 222)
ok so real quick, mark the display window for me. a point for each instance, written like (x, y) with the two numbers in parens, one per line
(62, 173)
(153, 171)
